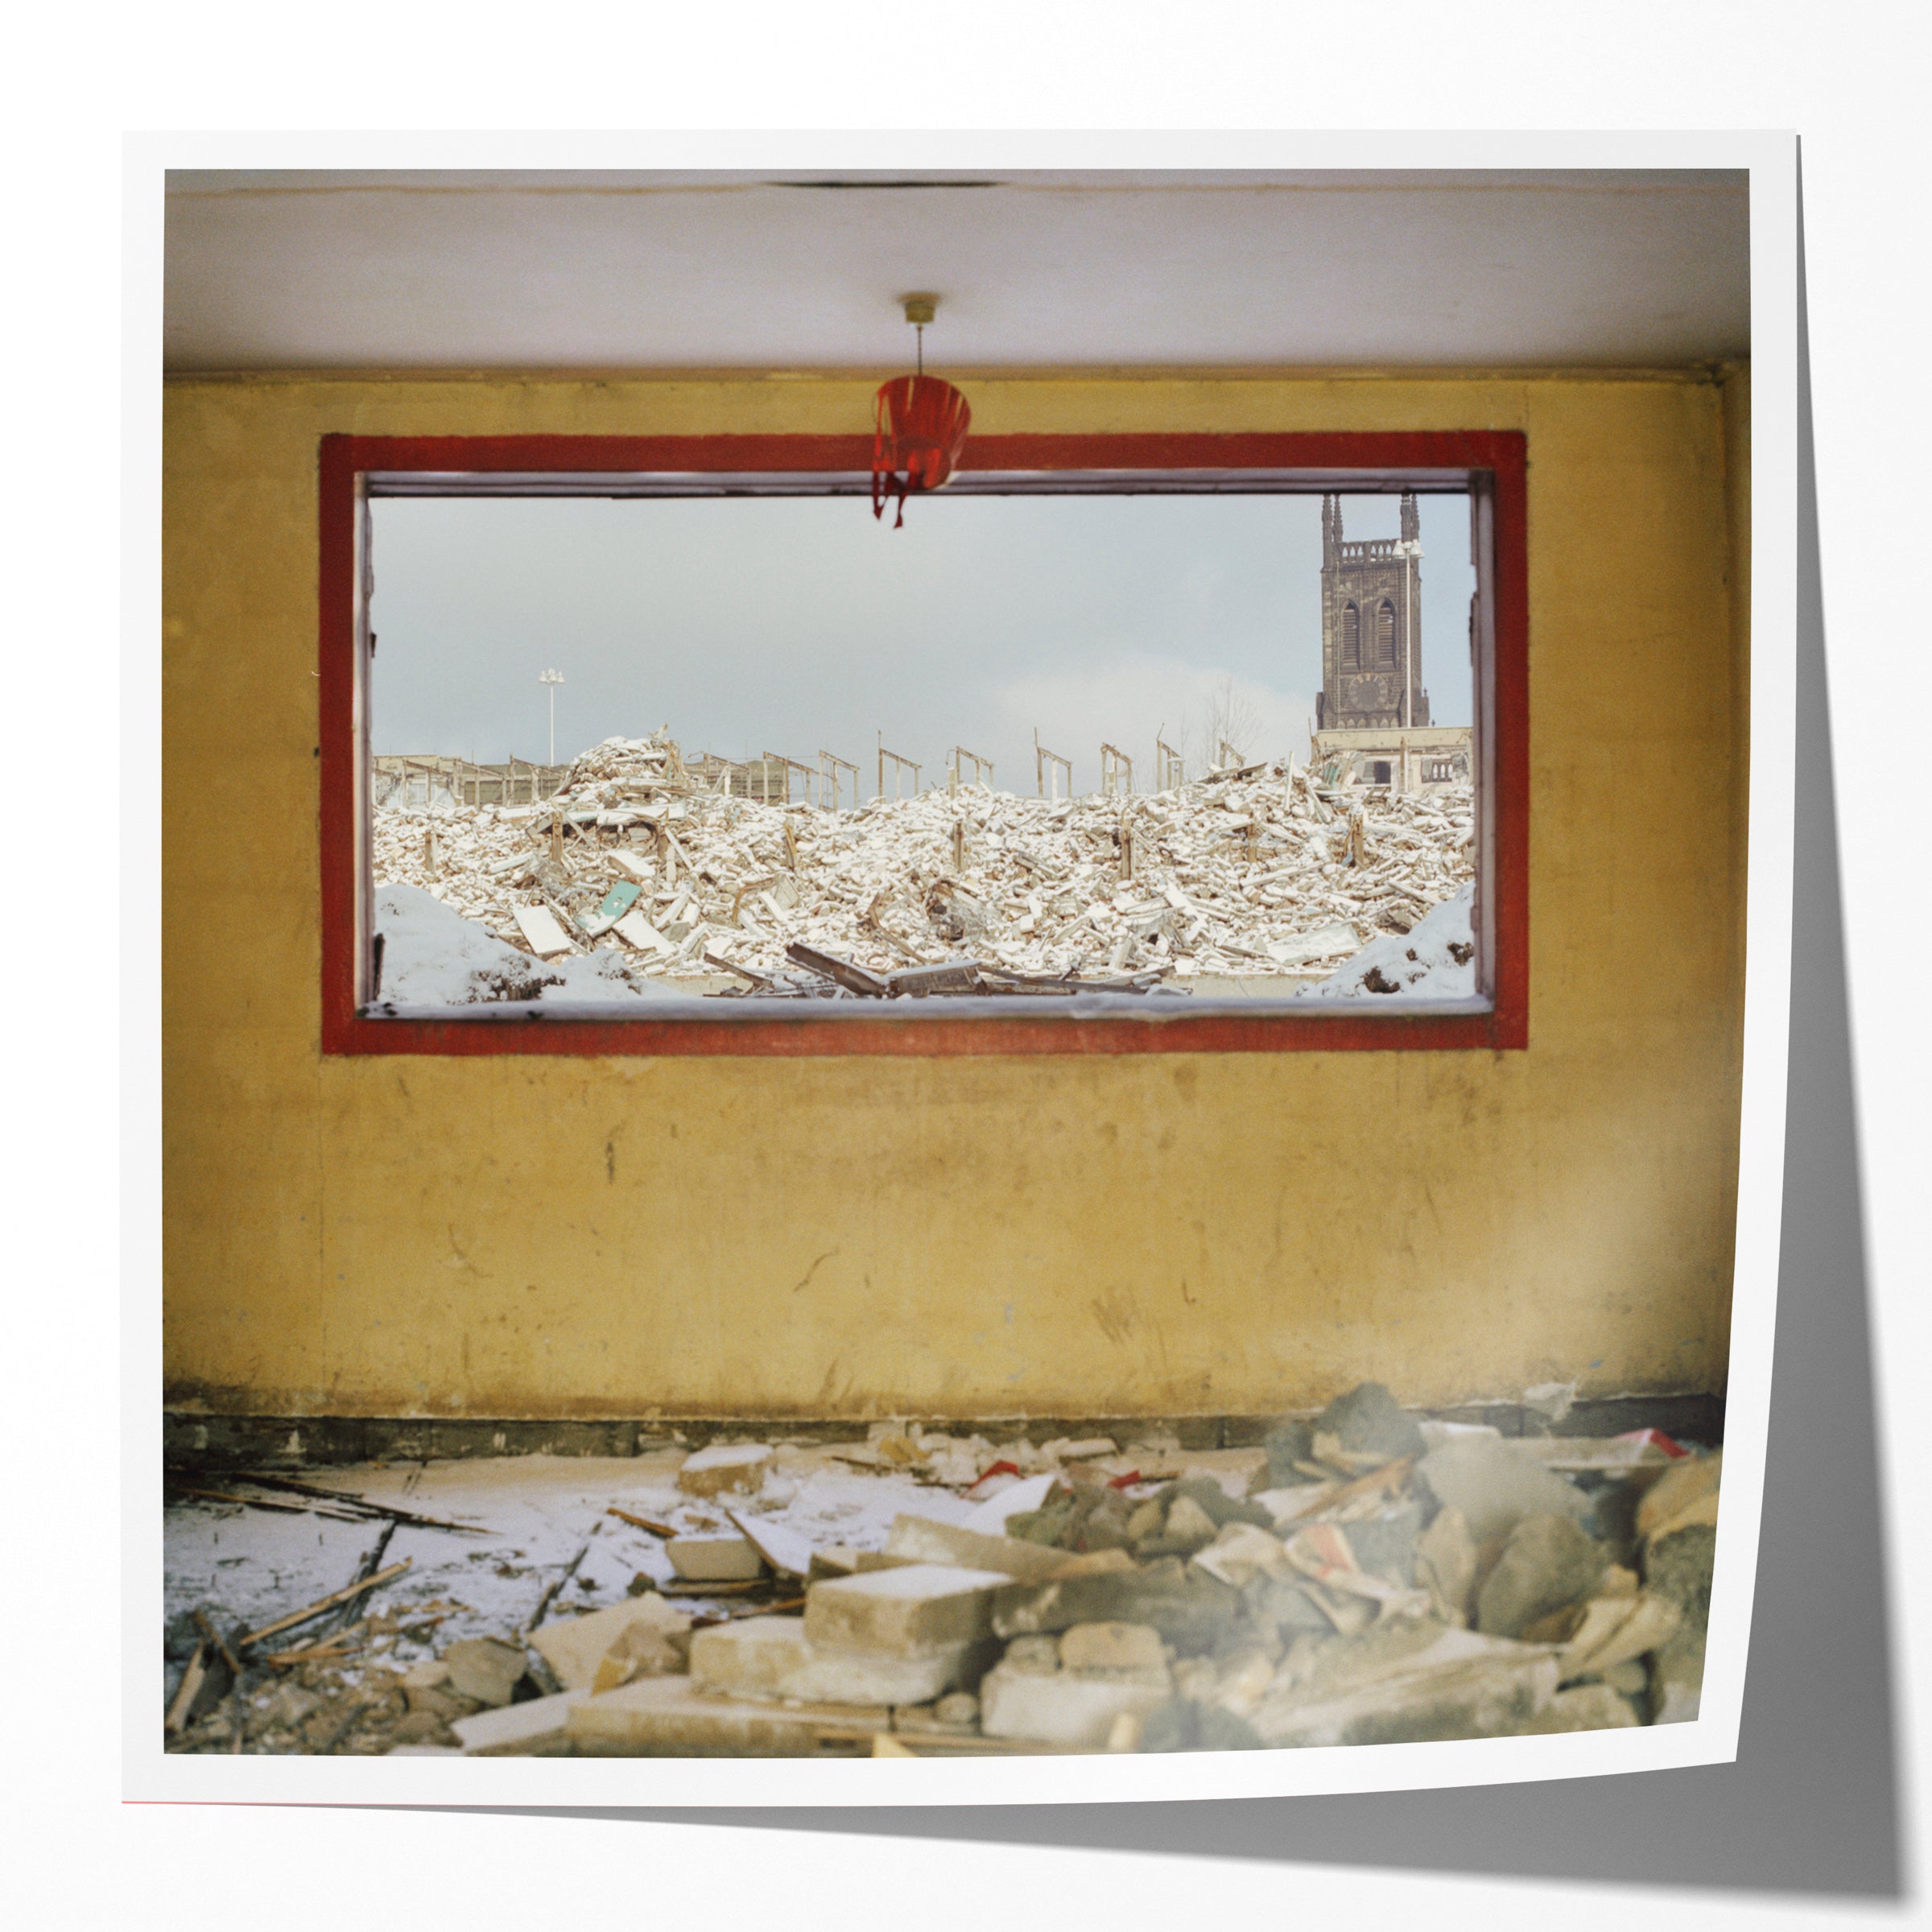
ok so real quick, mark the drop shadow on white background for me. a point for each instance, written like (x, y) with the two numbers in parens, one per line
(1812, 1805)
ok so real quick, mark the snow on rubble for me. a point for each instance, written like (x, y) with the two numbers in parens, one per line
(1435, 960)
(433, 956)
(633, 879)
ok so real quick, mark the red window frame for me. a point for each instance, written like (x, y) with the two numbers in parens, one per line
(1497, 462)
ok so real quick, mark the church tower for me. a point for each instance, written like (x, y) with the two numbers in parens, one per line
(1371, 626)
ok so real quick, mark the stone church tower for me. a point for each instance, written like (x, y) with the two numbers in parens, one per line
(1371, 627)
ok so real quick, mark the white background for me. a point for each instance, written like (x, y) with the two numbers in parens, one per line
(1849, 83)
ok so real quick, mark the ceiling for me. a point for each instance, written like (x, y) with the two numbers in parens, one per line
(1096, 268)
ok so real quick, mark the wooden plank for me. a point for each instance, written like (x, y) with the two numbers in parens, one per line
(643, 1522)
(349, 1499)
(215, 1638)
(322, 1604)
(190, 1687)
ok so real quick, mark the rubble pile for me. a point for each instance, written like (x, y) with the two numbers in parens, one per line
(1260, 872)
(1364, 1576)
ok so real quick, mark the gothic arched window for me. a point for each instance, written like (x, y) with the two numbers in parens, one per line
(1351, 638)
(1385, 634)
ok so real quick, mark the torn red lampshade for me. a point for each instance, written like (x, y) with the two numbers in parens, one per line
(919, 425)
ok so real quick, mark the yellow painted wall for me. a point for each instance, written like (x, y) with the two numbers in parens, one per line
(540, 1236)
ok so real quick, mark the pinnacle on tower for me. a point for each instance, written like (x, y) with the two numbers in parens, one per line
(1411, 522)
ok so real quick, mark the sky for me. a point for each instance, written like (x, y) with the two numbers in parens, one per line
(798, 625)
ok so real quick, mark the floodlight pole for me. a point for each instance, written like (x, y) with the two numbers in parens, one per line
(553, 678)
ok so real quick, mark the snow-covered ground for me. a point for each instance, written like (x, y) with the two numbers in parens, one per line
(534, 1516)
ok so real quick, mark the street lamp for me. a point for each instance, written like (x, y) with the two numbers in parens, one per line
(553, 678)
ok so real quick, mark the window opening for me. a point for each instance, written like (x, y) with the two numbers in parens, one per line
(631, 866)
(644, 867)
(1385, 634)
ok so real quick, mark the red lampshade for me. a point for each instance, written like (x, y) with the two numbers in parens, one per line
(919, 426)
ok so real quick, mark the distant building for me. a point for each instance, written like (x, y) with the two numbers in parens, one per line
(1371, 713)
(1371, 626)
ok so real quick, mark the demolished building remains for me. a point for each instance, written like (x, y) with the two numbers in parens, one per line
(1363, 1575)
(1261, 878)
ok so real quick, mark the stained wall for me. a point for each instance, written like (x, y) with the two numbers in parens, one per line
(545, 1237)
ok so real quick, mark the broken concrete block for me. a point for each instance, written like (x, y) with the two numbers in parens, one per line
(738, 1467)
(1590, 1628)
(535, 1729)
(1093, 1562)
(729, 1558)
(426, 1676)
(634, 865)
(1061, 1709)
(1585, 1707)
(1132, 1650)
(642, 1650)
(920, 1540)
(1288, 1444)
(1240, 1551)
(1684, 1494)
(1188, 1527)
(639, 932)
(1243, 1680)
(1548, 1561)
(1644, 1623)
(1495, 1485)
(669, 1717)
(781, 1545)
(1449, 1684)
(1222, 1497)
(1446, 1563)
(1385, 1545)
(1678, 1567)
(484, 1668)
(1191, 1610)
(419, 1727)
(1676, 1682)
(771, 1657)
(909, 1611)
(1368, 1420)
(958, 1707)
(1039, 1655)
(834, 1559)
(437, 1703)
(538, 925)
(575, 1646)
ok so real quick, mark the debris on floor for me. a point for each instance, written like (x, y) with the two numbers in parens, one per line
(1364, 1576)
(633, 879)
